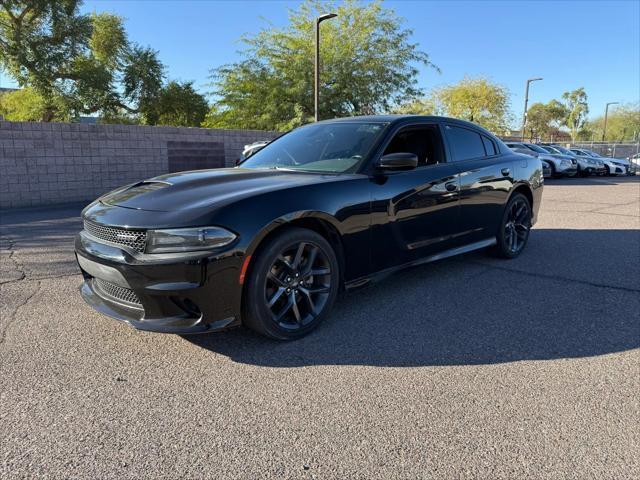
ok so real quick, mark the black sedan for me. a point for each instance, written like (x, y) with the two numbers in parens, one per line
(327, 207)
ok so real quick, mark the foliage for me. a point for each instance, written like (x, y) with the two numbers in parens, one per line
(477, 100)
(79, 64)
(577, 110)
(623, 123)
(180, 105)
(24, 105)
(421, 106)
(368, 65)
(544, 120)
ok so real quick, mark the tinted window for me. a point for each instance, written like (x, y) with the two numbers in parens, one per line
(424, 141)
(465, 144)
(489, 146)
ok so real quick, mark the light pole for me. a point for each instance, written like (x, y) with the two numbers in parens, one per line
(526, 101)
(606, 113)
(316, 90)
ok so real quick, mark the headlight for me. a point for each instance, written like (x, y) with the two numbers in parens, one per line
(187, 239)
(566, 163)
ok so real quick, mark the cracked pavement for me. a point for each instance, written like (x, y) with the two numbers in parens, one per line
(472, 367)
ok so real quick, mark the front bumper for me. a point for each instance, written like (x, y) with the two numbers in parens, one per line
(569, 170)
(170, 294)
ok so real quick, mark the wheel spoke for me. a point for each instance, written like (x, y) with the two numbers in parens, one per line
(274, 278)
(286, 263)
(320, 271)
(307, 296)
(313, 253)
(512, 239)
(298, 258)
(294, 307)
(285, 309)
(315, 289)
(274, 298)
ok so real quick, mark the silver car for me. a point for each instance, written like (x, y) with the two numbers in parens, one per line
(560, 165)
(613, 166)
(586, 165)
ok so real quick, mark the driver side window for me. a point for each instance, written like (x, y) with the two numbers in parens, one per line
(424, 141)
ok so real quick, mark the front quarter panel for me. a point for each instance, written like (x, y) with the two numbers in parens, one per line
(343, 203)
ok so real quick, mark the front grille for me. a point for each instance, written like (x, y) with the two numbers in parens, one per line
(117, 292)
(134, 239)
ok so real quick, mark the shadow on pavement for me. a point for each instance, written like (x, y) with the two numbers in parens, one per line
(590, 181)
(572, 294)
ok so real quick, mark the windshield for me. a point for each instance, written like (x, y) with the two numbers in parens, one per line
(563, 150)
(536, 148)
(322, 147)
(550, 149)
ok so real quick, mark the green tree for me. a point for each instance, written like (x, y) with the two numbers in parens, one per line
(577, 110)
(544, 120)
(369, 65)
(623, 123)
(75, 62)
(477, 100)
(421, 106)
(24, 105)
(180, 105)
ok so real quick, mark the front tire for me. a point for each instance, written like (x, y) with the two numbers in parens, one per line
(292, 285)
(514, 228)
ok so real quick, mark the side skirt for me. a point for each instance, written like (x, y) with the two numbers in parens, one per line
(361, 282)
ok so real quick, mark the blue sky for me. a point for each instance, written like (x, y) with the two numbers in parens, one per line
(571, 44)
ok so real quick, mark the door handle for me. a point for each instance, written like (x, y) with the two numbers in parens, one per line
(451, 186)
(505, 172)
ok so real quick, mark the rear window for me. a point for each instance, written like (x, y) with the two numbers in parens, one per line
(489, 146)
(465, 143)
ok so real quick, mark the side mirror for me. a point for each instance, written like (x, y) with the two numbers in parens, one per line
(398, 161)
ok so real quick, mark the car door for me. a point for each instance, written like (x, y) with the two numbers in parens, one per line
(415, 212)
(486, 179)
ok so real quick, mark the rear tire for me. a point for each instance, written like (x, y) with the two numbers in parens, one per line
(292, 285)
(514, 229)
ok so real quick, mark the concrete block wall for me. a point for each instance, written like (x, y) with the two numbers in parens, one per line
(49, 163)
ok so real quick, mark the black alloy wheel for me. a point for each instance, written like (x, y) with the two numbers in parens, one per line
(515, 228)
(298, 285)
(292, 285)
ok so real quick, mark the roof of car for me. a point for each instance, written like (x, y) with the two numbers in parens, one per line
(397, 118)
(403, 118)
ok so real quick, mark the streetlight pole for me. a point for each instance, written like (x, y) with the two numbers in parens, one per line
(606, 114)
(526, 101)
(316, 90)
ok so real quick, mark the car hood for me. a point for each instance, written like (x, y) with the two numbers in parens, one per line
(205, 188)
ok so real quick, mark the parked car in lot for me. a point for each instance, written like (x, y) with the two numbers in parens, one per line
(560, 165)
(328, 206)
(613, 166)
(586, 166)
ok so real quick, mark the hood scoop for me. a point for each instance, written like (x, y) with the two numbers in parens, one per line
(148, 186)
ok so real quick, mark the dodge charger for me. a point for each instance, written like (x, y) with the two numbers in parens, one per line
(325, 208)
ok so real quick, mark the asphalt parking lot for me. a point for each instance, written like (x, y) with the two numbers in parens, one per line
(472, 367)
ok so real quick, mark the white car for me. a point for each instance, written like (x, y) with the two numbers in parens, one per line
(613, 166)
